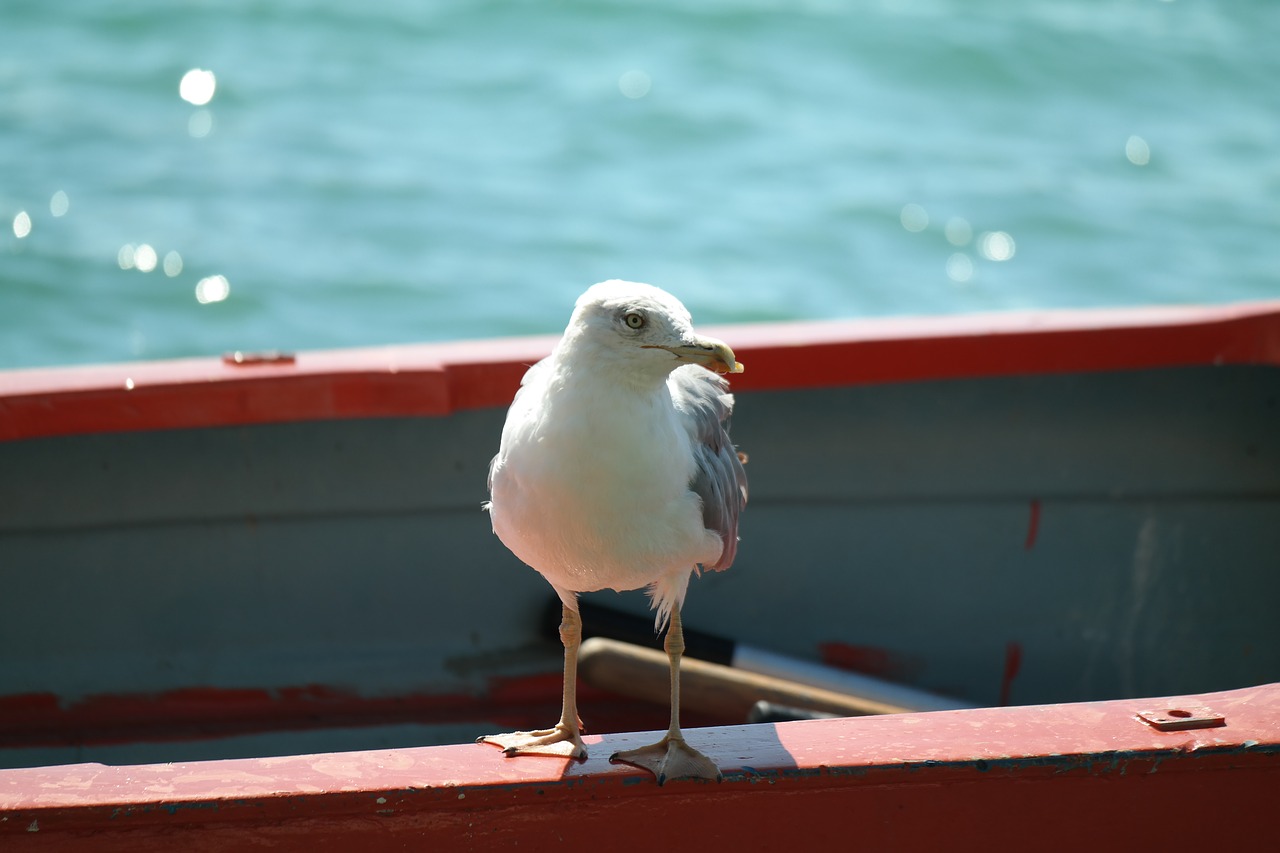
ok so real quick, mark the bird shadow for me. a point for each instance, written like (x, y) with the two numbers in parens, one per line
(743, 753)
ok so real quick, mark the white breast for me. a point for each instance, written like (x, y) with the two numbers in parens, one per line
(591, 487)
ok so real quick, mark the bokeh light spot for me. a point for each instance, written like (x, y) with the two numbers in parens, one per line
(214, 288)
(634, 84)
(21, 224)
(172, 264)
(144, 258)
(1138, 151)
(996, 246)
(59, 204)
(959, 267)
(197, 86)
(200, 124)
(914, 217)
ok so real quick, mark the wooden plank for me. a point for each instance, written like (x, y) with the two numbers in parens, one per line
(712, 688)
(1046, 778)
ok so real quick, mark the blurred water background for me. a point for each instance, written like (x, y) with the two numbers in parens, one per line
(185, 178)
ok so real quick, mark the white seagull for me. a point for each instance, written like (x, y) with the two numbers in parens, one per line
(616, 471)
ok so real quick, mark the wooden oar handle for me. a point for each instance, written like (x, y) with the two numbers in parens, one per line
(710, 688)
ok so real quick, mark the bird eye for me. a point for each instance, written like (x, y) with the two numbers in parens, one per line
(634, 320)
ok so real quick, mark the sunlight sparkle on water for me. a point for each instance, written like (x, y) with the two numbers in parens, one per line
(959, 268)
(914, 217)
(144, 258)
(197, 86)
(200, 124)
(634, 84)
(21, 224)
(1138, 151)
(996, 246)
(214, 288)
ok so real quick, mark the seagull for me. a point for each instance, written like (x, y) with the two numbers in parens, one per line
(615, 471)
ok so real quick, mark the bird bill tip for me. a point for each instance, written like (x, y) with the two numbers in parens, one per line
(723, 367)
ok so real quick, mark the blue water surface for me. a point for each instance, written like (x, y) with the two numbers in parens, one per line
(368, 173)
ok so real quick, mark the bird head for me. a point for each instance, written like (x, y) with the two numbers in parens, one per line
(646, 328)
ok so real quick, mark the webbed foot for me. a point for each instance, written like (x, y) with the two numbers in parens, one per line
(561, 741)
(668, 759)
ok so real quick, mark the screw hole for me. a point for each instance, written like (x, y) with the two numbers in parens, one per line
(1178, 712)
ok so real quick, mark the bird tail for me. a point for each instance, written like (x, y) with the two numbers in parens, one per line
(667, 594)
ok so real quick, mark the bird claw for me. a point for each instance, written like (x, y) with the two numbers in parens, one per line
(668, 759)
(560, 742)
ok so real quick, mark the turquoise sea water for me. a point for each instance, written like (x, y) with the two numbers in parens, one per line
(386, 172)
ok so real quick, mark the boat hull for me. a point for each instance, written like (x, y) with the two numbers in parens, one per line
(204, 562)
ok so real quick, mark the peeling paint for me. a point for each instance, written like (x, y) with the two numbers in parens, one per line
(920, 753)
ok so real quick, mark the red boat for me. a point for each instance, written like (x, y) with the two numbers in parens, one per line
(272, 571)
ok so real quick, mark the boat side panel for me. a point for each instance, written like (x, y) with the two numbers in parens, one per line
(249, 474)
(1204, 432)
(1023, 539)
(1190, 432)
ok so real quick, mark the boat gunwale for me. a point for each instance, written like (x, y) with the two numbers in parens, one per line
(1104, 740)
(438, 379)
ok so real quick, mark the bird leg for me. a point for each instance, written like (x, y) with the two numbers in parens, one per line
(565, 738)
(671, 757)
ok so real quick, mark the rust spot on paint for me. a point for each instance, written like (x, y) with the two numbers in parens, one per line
(1033, 525)
(1012, 663)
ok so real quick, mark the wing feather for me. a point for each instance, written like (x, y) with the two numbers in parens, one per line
(703, 400)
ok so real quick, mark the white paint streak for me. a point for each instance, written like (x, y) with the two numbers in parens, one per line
(1142, 580)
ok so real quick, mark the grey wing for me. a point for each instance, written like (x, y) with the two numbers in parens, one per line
(705, 404)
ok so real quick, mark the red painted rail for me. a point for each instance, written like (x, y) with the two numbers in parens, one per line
(437, 379)
(1056, 777)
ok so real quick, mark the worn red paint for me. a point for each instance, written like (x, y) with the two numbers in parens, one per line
(995, 778)
(1012, 663)
(1033, 525)
(200, 713)
(868, 660)
(439, 379)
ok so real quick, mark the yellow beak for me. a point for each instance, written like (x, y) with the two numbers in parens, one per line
(710, 353)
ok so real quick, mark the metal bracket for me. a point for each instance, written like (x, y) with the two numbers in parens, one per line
(1182, 719)
(249, 359)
